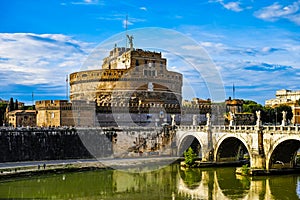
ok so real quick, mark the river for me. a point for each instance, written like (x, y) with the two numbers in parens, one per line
(169, 182)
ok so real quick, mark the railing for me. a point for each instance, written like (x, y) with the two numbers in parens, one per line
(216, 128)
(213, 128)
(240, 128)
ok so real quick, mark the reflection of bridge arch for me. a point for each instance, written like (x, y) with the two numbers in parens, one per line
(212, 186)
(230, 186)
(220, 184)
(283, 152)
(233, 145)
(187, 140)
(202, 191)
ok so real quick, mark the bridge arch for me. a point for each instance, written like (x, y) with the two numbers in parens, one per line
(231, 147)
(283, 152)
(189, 139)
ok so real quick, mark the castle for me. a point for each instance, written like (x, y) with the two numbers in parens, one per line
(131, 81)
(128, 75)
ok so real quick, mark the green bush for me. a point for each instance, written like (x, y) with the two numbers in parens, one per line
(190, 157)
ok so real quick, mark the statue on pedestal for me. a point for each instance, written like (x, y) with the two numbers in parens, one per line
(130, 41)
(283, 123)
(173, 120)
(194, 120)
(208, 122)
(232, 119)
(258, 121)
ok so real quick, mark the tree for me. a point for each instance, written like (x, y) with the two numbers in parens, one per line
(281, 108)
(2, 112)
(11, 104)
(274, 115)
(190, 157)
(251, 106)
(268, 114)
(16, 105)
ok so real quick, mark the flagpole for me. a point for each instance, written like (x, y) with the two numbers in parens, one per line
(126, 27)
(233, 91)
(32, 98)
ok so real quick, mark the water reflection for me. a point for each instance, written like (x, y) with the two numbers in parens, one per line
(167, 183)
(212, 184)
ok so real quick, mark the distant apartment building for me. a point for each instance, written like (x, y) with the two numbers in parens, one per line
(22, 118)
(287, 97)
(54, 113)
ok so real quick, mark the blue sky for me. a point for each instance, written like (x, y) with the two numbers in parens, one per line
(253, 44)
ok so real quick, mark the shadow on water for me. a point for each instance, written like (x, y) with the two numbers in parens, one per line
(166, 183)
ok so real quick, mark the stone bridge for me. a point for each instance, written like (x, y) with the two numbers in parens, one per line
(266, 147)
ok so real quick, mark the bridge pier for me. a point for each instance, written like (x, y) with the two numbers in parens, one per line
(258, 158)
(258, 161)
(208, 148)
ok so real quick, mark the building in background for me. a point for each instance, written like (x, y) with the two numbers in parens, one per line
(234, 105)
(289, 98)
(22, 118)
(54, 113)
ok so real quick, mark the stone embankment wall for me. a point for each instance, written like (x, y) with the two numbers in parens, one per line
(41, 144)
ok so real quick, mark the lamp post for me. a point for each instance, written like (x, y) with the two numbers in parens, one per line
(139, 109)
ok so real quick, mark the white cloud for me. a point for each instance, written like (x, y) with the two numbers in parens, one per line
(34, 59)
(143, 8)
(126, 23)
(213, 45)
(88, 2)
(277, 11)
(130, 21)
(233, 5)
(191, 47)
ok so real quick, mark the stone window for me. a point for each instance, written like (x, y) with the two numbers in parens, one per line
(153, 73)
